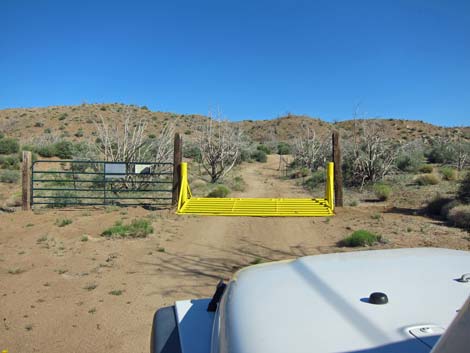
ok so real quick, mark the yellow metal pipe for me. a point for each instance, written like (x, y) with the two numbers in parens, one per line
(330, 185)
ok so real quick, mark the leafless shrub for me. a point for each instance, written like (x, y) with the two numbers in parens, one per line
(309, 150)
(220, 143)
(126, 141)
(372, 156)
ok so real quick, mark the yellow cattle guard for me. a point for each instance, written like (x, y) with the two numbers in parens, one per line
(257, 207)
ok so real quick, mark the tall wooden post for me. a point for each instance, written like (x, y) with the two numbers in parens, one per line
(26, 180)
(337, 170)
(177, 159)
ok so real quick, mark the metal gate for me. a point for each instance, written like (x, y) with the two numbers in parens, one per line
(59, 183)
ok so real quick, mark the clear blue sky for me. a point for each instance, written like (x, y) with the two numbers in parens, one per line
(254, 59)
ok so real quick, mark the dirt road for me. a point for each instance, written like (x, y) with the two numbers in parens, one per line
(67, 289)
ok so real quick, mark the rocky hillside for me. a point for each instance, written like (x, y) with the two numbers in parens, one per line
(77, 123)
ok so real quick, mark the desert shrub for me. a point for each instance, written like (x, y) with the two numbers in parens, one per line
(447, 207)
(46, 151)
(436, 205)
(361, 238)
(408, 162)
(259, 156)
(300, 173)
(64, 149)
(10, 162)
(449, 173)
(192, 151)
(63, 198)
(238, 184)
(9, 176)
(283, 148)
(79, 133)
(440, 153)
(245, 155)
(463, 193)
(264, 148)
(426, 168)
(382, 191)
(460, 216)
(219, 191)
(38, 124)
(427, 179)
(315, 179)
(138, 228)
(63, 116)
(62, 222)
(9, 146)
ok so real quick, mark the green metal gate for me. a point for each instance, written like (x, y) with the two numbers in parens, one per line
(59, 183)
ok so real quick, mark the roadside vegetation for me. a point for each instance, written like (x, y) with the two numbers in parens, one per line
(138, 228)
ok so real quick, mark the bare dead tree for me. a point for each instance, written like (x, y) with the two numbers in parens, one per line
(462, 152)
(307, 149)
(374, 154)
(126, 141)
(220, 144)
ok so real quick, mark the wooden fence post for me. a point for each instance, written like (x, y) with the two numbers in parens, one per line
(26, 180)
(177, 159)
(337, 170)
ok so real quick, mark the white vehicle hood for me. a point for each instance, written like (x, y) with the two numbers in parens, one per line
(320, 303)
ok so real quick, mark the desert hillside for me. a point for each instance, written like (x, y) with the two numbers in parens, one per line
(77, 123)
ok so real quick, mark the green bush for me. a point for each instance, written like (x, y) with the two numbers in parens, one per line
(63, 198)
(9, 176)
(192, 151)
(9, 146)
(300, 173)
(449, 173)
(409, 162)
(46, 151)
(238, 184)
(427, 179)
(259, 156)
(245, 156)
(64, 149)
(382, 191)
(463, 193)
(61, 149)
(264, 148)
(436, 205)
(315, 179)
(63, 116)
(441, 153)
(447, 207)
(62, 222)
(283, 148)
(460, 216)
(426, 168)
(138, 228)
(219, 191)
(361, 238)
(10, 162)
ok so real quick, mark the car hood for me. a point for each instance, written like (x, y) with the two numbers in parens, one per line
(320, 303)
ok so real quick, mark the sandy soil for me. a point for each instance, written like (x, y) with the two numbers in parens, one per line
(59, 293)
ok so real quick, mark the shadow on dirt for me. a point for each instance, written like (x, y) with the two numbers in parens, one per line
(208, 270)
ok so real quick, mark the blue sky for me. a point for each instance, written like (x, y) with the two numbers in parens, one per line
(252, 59)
